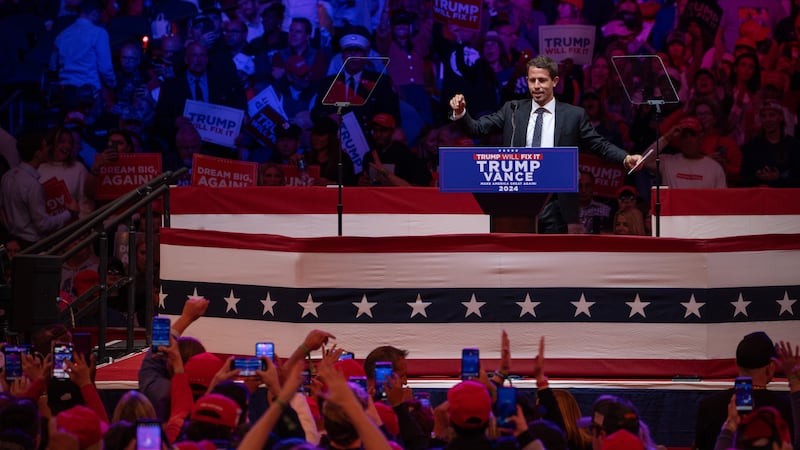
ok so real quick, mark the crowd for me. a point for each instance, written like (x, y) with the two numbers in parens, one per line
(314, 398)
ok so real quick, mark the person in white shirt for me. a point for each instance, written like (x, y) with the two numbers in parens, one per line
(690, 168)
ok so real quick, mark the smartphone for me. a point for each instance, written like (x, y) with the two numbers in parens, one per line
(265, 349)
(82, 342)
(346, 355)
(62, 353)
(148, 435)
(506, 406)
(744, 394)
(424, 399)
(13, 362)
(383, 373)
(359, 380)
(470, 363)
(160, 332)
(248, 366)
(306, 386)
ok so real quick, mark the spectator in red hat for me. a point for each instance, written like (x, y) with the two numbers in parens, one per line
(296, 90)
(391, 163)
(214, 417)
(84, 424)
(690, 168)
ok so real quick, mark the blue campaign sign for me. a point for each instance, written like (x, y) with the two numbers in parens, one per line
(508, 169)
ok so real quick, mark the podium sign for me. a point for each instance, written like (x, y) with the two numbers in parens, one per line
(508, 169)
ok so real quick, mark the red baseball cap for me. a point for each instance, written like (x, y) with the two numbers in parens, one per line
(83, 423)
(216, 409)
(296, 65)
(201, 368)
(470, 404)
(385, 120)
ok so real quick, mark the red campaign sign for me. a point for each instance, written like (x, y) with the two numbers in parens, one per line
(56, 196)
(129, 172)
(464, 13)
(295, 178)
(223, 172)
(608, 177)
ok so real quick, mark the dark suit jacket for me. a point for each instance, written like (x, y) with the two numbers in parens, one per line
(175, 92)
(572, 129)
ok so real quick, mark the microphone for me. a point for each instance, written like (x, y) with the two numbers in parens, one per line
(514, 106)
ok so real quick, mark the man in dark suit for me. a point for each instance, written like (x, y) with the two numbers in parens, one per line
(545, 122)
(356, 84)
(198, 83)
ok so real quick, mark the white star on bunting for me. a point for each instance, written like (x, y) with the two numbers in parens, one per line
(692, 307)
(364, 307)
(473, 306)
(418, 307)
(786, 304)
(162, 297)
(268, 304)
(740, 306)
(582, 306)
(194, 295)
(309, 307)
(527, 306)
(232, 301)
(637, 307)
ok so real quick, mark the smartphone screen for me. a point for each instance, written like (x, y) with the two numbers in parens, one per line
(424, 399)
(359, 380)
(62, 353)
(383, 373)
(160, 332)
(506, 406)
(346, 355)
(148, 435)
(83, 345)
(744, 394)
(470, 363)
(247, 366)
(13, 362)
(265, 349)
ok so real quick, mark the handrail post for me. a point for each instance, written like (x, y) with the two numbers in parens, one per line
(131, 306)
(148, 276)
(103, 269)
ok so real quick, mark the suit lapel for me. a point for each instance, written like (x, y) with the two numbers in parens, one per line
(522, 119)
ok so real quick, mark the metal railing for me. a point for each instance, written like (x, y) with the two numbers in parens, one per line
(71, 239)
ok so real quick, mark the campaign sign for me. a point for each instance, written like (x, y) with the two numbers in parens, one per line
(295, 177)
(223, 172)
(567, 41)
(56, 196)
(508, 169)
(707, 13)
(216, 123)
(266, 112)
(354, 143)
(464, 13)
(608, 177)
(129, 172)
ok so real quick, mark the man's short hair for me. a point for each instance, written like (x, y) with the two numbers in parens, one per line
(545, 62)
(29, 143)
(755, 350)
(383, 353)
(306, 23)
(338, 425)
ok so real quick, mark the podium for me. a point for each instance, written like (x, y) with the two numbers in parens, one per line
(511, 184)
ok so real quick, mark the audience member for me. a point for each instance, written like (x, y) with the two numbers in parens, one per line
(593, 215)
(629, 222)
(390, 162)
(771, 158)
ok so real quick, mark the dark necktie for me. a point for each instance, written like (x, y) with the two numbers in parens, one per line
(198, 91)
(537, 128)
(351, 87)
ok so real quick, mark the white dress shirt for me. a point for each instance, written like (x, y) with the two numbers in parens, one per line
(548, 124)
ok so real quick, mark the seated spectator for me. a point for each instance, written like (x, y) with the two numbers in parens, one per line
(300, 31)
(771, 158)
(689, 169)
(62, 164)
(271, 174)
(391, 163)
(715, 144)
(629, 222)
(592, 214)
(326, 151)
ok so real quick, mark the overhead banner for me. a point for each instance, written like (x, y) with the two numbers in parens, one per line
(56, 196)
(216, 124)
(608, 177)
(129, 172)
(562, 42)
(223, 172)
(463, 13)
(353, 141)
(508, 169)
